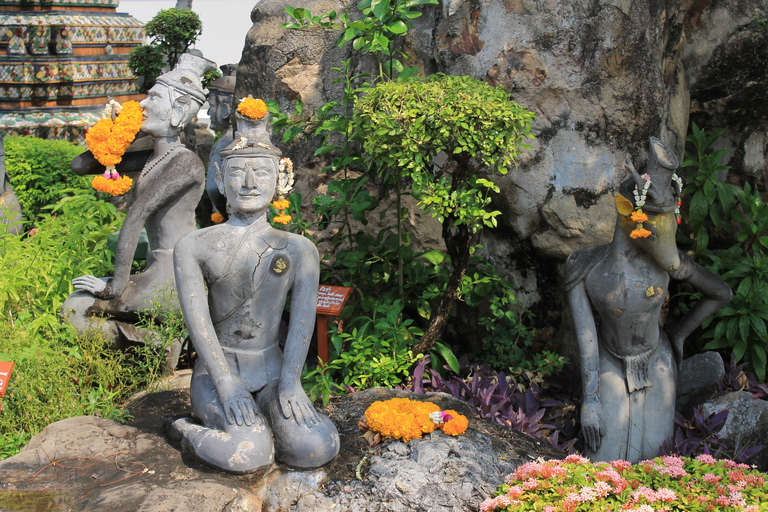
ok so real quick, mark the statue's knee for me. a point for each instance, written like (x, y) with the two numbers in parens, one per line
(306, 447)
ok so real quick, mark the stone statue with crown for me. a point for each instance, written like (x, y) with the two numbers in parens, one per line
(233, 281)
(166, 193)
(220, 107)
(629, 365)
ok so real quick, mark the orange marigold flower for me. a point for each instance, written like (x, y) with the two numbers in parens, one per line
(457, 425)
(112, 187)
(217, 218)
(638, 216)
(640, 233)
(249, 107)
(281, 204)
(401, 418)
(282, 218)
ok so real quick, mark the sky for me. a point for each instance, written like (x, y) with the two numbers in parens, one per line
(225, 24)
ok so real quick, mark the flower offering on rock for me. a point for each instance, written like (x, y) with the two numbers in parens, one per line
(405, 419)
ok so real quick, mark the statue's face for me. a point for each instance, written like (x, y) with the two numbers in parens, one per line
(661, 244)
(157, 112)
(249, 183)
(219, 110)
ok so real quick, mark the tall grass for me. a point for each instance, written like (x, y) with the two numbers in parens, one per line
(58, 373)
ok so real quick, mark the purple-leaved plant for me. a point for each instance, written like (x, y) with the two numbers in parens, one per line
(495, 396)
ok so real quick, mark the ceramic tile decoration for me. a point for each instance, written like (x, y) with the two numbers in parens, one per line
(58, 60)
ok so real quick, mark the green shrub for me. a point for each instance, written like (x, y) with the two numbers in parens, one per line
(57, 373)
(729, 226)
(39, 172)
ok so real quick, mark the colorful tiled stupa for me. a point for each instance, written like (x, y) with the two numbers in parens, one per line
(59, 61)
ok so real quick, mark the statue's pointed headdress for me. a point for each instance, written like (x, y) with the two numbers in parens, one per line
(187, 76)
(657, 191)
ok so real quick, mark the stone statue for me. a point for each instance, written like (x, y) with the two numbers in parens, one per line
(629, 366)
(233, 280)
(220, 102)
(166, 193)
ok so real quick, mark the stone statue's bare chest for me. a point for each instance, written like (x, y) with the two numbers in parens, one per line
(619, 287)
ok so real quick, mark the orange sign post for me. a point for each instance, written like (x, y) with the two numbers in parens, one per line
(330, 302)
(5, 376)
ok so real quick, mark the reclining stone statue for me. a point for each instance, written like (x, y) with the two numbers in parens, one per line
(629, 366)
(166, 194)
(233, 281)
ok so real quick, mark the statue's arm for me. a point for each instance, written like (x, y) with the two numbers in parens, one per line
(133, 161)
(238, 404)
(586, 335)
(176, 180)
(716, 295)
(293, 400)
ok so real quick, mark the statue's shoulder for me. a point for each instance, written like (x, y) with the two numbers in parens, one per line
(197, 242)
(580, 263)
(297, 245)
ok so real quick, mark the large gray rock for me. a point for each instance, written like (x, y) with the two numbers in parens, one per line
(698, 380)
(601, 75)
(747, 423)
(104, 465)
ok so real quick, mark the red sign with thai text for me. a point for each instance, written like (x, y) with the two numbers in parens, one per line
(331, 299)
(5, 375)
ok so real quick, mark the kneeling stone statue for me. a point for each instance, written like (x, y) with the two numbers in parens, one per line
(233, 280)
(629, 367)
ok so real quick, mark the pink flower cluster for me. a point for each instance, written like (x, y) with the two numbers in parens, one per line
(651, 496)
(576, 483)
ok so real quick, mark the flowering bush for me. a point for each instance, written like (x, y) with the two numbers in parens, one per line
(667, 483)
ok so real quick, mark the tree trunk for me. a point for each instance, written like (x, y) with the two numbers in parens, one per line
(459, 248)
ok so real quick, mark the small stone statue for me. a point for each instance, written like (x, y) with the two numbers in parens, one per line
(233, 280)
(166, 194)
(629, 367)
(220, 102)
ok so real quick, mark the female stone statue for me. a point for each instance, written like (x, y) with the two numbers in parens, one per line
(629, 366)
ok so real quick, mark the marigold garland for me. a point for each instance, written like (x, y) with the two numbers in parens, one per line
(281, 204)
(282, 218)
(113, 187)
(638, 216)
(109, 139)
(249, 107)
(405, 419)
(640, 233)
(217, 218)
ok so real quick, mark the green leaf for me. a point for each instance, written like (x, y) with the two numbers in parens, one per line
(379, 8)
(398, 27)
(434, 257)
(448, 356)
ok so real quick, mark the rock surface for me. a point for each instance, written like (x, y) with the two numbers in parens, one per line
(698, 380)
(104, 465)
(601, 75)
(747, 423)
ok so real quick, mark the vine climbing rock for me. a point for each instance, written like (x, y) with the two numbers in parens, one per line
(118, 467)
